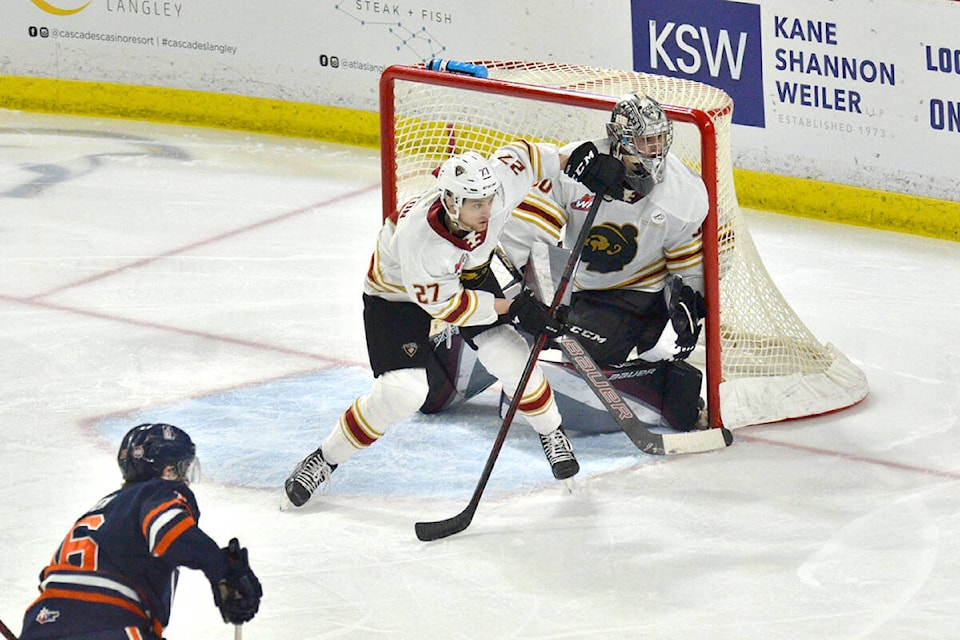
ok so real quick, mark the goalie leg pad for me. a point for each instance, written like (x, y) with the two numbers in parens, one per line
(455, 375)
(681, 395)
(661, 394)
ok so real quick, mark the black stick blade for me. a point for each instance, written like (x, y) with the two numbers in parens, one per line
(727, 436)
(428, 531)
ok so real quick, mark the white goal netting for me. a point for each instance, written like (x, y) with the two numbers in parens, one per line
(763, 364)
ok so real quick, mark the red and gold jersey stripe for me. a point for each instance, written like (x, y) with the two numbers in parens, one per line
(542, 214)
(460, 308)
(376, 279)
(689, 255)
(356, 429)
(538, 400)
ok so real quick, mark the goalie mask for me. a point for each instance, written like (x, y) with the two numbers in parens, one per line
(148, 449)
(465, 176)
(640, 134)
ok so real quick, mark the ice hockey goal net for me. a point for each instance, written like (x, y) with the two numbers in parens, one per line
(762, 363)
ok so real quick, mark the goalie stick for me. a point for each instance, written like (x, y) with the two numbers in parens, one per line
(427, 531)
(645, 440)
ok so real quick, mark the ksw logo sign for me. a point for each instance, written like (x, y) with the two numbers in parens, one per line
(715, 42)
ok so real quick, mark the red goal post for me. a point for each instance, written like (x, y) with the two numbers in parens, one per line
(751, 353)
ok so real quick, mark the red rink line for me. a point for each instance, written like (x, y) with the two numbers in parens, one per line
(179, 330)
(36, 301)
(201, 243)
(738, 435)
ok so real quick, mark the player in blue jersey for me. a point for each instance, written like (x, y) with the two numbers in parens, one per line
(114, 574)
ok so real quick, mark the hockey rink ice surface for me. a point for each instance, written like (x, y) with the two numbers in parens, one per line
(212, 279)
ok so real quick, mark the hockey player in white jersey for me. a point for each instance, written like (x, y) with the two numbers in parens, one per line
(431, 262)
(638, 302)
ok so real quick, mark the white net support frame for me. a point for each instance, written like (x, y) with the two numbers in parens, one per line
(762, 364)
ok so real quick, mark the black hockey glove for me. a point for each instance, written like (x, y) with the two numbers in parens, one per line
(679, 337)
(534, 316)
(600, 172)
(238, 594)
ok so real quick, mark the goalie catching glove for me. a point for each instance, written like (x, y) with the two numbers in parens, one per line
(238, 594)
(600, 172)
(686, 309)
(533, 316)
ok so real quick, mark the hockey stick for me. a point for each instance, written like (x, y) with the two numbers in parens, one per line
(645, 440)
(435, 530)
(6, 632)
(235, 554)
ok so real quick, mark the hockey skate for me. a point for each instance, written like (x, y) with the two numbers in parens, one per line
(309, 474)
(556, 446)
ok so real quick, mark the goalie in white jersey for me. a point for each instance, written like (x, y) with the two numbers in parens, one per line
(637, 303)
(432, 262)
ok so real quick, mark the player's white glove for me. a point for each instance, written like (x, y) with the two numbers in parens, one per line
(680, 333)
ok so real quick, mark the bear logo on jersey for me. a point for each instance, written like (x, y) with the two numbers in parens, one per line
(610, 247)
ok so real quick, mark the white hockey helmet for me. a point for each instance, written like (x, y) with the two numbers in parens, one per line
(640, 131)
(463, 176)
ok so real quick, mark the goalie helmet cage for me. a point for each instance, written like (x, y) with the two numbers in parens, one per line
(762, 363)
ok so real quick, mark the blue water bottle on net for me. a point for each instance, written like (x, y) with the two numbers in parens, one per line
(453, 66)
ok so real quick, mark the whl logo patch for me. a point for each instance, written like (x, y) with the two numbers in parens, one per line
(45, 616)
(56, 8)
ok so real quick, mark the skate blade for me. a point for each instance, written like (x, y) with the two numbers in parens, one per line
(285, 504)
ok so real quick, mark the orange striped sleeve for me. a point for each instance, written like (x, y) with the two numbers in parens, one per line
(97, 598)
(170, 536)
(178, 501)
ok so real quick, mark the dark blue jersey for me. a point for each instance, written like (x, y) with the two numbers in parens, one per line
(118, 565)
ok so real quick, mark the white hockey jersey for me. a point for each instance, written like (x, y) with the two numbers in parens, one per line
(633, 244)
(418, 259)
